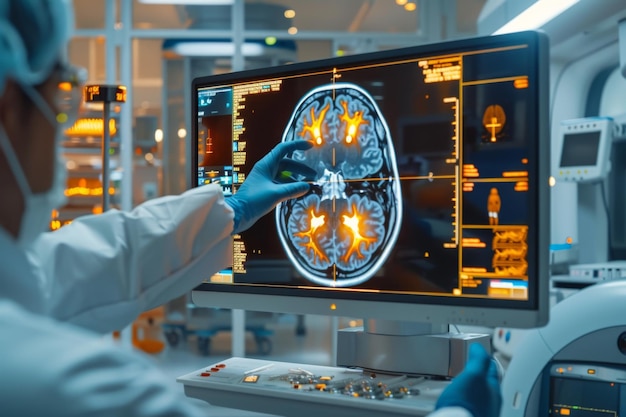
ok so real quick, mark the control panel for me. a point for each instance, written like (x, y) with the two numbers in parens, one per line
(284, 388)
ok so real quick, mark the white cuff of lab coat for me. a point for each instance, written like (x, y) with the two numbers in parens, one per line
(451, 412)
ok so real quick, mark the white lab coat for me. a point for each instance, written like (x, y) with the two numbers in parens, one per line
(53, 369)
(99, 273)
(451, 412)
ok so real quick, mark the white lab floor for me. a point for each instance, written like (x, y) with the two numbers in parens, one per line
(314, 347)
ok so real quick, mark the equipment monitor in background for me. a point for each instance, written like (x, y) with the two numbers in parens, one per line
(430, 199)
(586, 389)
(585, 149)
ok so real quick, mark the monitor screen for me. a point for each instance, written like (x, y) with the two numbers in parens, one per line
(430, 198)
(585, 149)
(580, 149)
(586, 389)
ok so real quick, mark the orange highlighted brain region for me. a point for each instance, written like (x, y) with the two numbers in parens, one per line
(341, 232)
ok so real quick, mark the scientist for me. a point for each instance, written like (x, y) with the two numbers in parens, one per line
(59, 290)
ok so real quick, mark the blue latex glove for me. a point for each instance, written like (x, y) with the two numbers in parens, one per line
(476, 388)
(264, 188)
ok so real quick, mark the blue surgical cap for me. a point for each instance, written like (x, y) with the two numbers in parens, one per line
(33, 38)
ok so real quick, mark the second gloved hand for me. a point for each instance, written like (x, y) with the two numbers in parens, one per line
(476, 388)
(260, 193)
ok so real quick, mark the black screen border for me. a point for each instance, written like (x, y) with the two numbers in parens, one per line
(538, 288)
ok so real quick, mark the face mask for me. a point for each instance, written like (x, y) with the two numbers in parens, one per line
(37, 207)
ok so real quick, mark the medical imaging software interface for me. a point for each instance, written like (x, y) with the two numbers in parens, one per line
(422, 173)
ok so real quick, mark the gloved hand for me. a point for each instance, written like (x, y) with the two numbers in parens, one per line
(261, 192)
(476, 388)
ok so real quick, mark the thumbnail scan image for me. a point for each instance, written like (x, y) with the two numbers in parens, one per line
(342, 231)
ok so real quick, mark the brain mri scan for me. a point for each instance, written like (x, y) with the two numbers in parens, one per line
(345, 227)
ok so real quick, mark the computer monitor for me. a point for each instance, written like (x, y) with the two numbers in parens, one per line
(585, 149)
(430, 202)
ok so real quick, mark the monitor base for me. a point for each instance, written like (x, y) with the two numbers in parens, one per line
(406, 348)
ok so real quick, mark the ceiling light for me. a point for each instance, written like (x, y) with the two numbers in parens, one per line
(401, 2)
(290, 14)
(410, 7)
(202, 48)
(198, 2)
(536, 15)
(292, 30)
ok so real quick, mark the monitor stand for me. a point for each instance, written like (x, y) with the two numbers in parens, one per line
(395, 363)
(407, 348)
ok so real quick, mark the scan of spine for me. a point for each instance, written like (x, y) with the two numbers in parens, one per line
(341, 232)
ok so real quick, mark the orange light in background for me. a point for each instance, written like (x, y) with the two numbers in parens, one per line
(91, 127)
(87, 192)
(57, 224)
(569, 240)
(521, 83)
(85, 187)
(524, 161)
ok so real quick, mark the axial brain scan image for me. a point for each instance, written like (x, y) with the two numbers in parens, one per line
(342, 231)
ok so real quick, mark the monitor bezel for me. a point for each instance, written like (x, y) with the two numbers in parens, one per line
(603, 126)
(432, 309)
